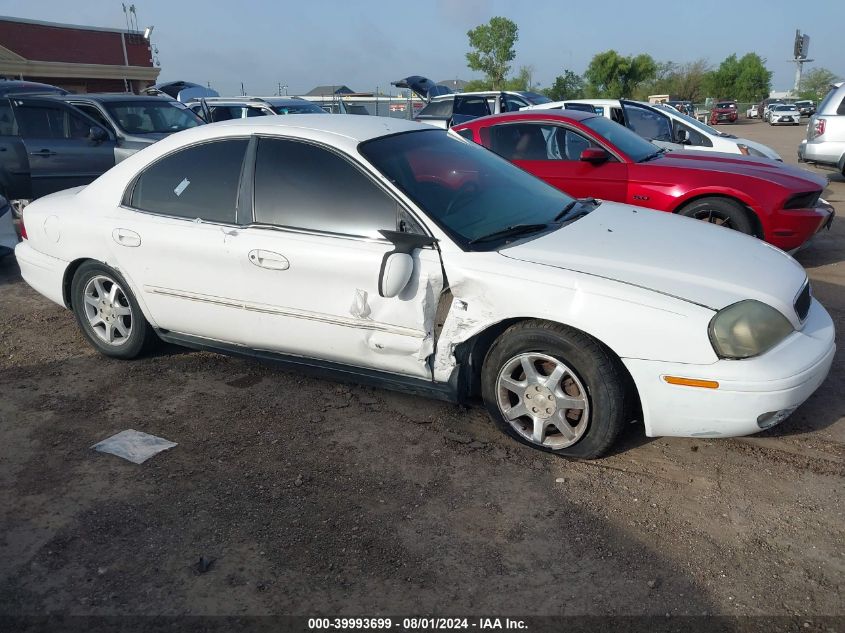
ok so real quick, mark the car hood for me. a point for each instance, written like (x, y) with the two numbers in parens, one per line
(720, 163)
(688, 259)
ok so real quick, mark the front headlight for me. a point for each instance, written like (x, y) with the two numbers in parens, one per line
(748, 328)
(750, 151)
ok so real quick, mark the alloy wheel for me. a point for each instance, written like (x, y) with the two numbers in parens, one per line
(543, 400)
(108, 310)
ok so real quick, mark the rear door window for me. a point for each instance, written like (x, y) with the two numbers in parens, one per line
(196, 182)
(437, 109)
(49, 121)
(292, 190)
(533, 141)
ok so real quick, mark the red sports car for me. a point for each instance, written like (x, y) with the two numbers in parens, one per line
(591, 156)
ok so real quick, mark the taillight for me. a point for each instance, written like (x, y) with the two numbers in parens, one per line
(23, 228)
(818, 129)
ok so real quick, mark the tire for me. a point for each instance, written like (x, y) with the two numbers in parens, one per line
(590, 378)
(106, 308)
(721, 211)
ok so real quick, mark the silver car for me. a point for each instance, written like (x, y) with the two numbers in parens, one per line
(825, 142)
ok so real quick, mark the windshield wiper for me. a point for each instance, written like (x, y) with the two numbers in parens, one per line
(569, 212)
(653, 155)
(511, 231)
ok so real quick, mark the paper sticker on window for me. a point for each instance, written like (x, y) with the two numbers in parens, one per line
(181, 187)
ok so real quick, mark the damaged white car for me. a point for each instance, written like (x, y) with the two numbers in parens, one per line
(391, 252)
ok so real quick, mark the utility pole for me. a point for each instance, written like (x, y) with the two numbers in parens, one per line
(800, 50)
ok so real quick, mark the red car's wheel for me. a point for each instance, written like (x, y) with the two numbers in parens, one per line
(722, 212)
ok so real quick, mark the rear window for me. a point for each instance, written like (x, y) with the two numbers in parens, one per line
(437, 109)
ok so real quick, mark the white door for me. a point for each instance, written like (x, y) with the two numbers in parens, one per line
(175, 241)
(310, 265)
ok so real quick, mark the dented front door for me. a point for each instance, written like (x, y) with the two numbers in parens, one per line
(317, 296)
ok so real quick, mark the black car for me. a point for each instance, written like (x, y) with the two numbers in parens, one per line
(806, 107)
(47, 145)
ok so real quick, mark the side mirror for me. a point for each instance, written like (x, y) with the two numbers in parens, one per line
(682, 137)
(396, 274)
(97, 134)
(594, 155)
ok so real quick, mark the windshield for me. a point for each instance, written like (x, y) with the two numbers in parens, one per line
(691, 121)
(303, 108)
(468, 191)
(724, 105)
(785, 107)
(152, 117)
(631, 144)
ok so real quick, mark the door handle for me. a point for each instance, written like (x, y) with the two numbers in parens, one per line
(43, 152)
(125, 237)
(269, 259)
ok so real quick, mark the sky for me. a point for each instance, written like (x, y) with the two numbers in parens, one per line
(366, 44)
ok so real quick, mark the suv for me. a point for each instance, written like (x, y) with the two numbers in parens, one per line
(47, 145)
(135, 120)
(446, 108)
(825, 142)
(225, 108)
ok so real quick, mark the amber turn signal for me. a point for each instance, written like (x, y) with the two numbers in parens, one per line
(691, 382)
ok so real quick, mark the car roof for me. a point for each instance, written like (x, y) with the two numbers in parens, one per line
(116, 96)
(532, 115)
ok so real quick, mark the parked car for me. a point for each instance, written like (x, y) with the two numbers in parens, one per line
(768, 104)
(446, 108)
(753, 112)
(723, 112)
(440, 268)
(825, 142)
(15, 87)
(586, 155)
(135, 120)
(226, 108)
(784, 114)
(806, 107)
(8, 235)
(663, 125)
(47, 145)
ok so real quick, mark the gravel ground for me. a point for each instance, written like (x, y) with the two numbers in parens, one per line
(312, 497)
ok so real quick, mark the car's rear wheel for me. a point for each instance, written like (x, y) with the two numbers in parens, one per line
(108, 313)
(720, 211)
(555, 389)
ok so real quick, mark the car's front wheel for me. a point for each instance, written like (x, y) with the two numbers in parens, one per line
(720, 211)
(555, 389)
(108, 313)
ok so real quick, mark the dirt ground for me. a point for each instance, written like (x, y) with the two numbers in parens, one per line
(312, 497)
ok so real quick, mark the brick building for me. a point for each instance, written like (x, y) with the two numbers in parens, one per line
(77, 58)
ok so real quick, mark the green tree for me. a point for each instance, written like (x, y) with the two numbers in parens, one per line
(683, 81)
(493, 49)
(523, 79)
(746, 79)
(566, 86)
(815, 84)
(613, 75)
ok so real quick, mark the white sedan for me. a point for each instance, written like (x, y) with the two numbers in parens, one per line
(785, 114)
(390, 252)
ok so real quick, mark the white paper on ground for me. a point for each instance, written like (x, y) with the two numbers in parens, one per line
(133, 445)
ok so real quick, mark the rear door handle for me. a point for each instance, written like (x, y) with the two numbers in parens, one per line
(43, 152)
(125, 237)
(269, 259)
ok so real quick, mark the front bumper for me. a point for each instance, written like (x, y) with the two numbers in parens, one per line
(44, 273)
(749, 390)
(791, 229)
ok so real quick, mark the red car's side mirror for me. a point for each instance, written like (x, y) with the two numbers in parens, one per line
(595, 155)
